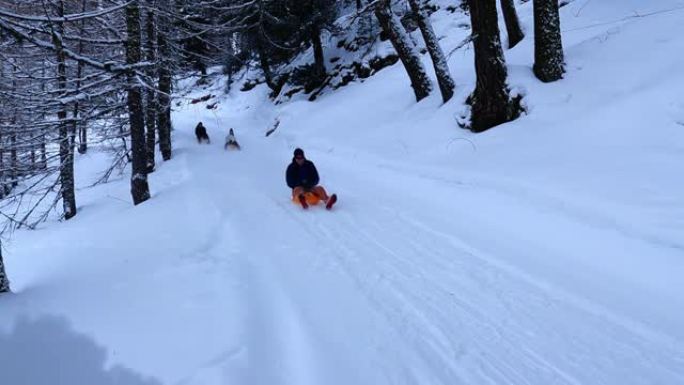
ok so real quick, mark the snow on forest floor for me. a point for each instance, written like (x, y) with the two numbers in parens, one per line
(548, 251)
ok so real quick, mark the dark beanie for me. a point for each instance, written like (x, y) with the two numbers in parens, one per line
(298, 152)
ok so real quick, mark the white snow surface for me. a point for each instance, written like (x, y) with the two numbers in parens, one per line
(548, 251)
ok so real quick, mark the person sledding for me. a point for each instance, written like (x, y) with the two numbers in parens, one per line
(302, 178)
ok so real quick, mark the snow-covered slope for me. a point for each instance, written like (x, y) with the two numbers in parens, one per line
(546, 251)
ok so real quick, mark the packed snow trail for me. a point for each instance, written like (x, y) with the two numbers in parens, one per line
(548, 253)
(382, 290)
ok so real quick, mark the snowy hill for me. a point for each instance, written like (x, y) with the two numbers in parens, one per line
(549, 250)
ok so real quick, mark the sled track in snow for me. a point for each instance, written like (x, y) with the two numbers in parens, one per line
(455, 309)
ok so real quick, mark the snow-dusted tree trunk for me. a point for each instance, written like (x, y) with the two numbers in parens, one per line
(491, 103)
(444, 79)
(548, 47)
(515, 33)
(66, 153)
(4, 281)
(150, 94)
(164, 85)
(401, 42)
(139, 187)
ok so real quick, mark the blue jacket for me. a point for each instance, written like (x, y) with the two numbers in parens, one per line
(305, 175)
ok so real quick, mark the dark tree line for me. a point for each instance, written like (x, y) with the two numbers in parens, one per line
(491, 102)
(276, 31)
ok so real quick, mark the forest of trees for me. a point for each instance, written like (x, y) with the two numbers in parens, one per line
(79, 73)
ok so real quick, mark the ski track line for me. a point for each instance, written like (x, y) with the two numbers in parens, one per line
(493, 325)
(488, 260)
(401, 317)
(457, 191)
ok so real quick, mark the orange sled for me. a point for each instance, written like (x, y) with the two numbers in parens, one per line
(311, 198)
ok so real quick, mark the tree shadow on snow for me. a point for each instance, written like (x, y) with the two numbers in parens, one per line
(46, 351)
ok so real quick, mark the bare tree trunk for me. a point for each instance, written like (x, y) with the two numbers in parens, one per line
(401, 42)
(319, 59)
(3, 172)
(3, 186)
(491, 103)
(515, 33)
(150, 94)
(14, 163)
(548, 47)
(265, 67)
(43, 150)
(139, 187)
(444, 79)
(43, 136)
(164, 115)
(66, 155)
(82, 136)
(82, 133)
(14, 160)
(4, 281)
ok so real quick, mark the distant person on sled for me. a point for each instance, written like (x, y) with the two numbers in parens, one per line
(302, 177)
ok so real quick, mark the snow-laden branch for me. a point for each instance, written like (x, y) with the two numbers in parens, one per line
(67, 18)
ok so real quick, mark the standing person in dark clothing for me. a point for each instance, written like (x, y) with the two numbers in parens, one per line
(201, 134)
(302, 177)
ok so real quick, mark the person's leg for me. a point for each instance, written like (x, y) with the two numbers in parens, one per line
(320, 191)
(297, 191)
(298, 195)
